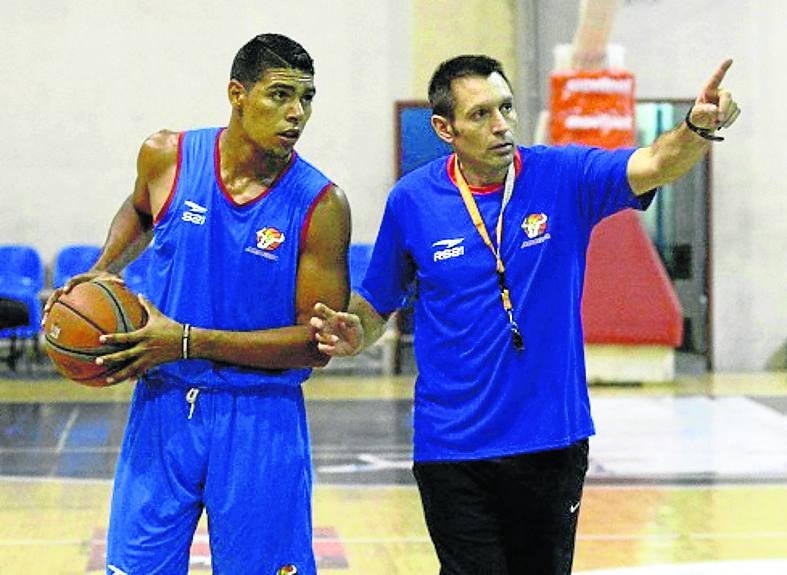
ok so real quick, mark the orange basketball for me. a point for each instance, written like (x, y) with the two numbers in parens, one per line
(76, 321)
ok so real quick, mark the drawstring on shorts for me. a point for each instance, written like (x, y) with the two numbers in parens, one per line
(191, 399)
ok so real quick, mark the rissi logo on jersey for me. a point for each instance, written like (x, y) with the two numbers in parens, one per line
(535, 228)
(448, 249)
(194, 213)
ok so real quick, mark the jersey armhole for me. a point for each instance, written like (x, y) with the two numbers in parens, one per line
(308, 219)
(164, 208)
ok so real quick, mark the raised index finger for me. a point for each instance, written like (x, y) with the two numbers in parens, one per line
(718, 75)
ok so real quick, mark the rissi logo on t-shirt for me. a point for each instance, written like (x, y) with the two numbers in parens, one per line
(535, 228)
(195, 214)
(448, 249)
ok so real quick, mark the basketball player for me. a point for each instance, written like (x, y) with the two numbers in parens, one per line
(246, 234)
(495, 237)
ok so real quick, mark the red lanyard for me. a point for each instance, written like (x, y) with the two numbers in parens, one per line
(475, 215)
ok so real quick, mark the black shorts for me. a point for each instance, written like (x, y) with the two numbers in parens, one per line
(512, 515)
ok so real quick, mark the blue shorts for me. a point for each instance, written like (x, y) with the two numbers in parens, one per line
(242, 456)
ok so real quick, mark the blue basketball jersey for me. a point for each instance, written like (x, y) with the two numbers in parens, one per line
(221, 265)
(476, 395)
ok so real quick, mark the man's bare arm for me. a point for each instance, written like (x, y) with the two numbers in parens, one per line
(322, 274)
(131, 227)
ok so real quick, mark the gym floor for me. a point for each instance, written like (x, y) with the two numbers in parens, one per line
(686, 478)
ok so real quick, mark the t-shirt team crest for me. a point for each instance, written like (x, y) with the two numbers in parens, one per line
(269, 239)
(535, 225)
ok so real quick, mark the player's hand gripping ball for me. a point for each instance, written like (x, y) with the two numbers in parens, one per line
(79, 317)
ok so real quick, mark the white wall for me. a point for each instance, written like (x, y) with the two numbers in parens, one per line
(673, 46)
(84, 82)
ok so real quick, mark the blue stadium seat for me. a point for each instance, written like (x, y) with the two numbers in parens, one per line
(21, 280)
(136, 273)
(358, 258)
(73, 260)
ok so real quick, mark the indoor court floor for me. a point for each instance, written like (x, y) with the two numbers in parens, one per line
(686, 478)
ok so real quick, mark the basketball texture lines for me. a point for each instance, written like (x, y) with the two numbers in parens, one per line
(76, 321)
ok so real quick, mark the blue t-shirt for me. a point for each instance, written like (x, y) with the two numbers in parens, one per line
(221, 265)
(476, 396)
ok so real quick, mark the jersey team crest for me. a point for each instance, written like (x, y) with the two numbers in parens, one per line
(535, 225)
(269, 239)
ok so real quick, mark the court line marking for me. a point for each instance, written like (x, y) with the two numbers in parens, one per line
(61, 441)
(72, 419)
(58, 450)
(764, 565)
(366, 463)
(675, 536)
(360, 462)
(318, 452)
(411, 486)
(52, 479)
(425, 539)
(36, 542)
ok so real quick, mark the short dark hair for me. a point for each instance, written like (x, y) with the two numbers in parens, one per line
(268, 51)
(440, 96)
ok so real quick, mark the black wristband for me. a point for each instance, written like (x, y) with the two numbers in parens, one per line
(706, 133)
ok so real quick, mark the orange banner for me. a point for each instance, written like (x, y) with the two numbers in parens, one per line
(595, 108)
